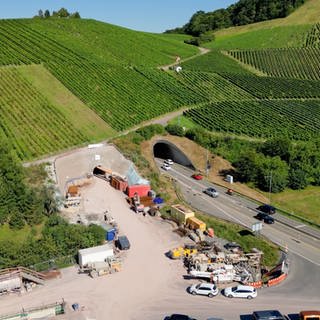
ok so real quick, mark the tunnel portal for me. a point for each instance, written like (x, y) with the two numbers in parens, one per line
(166, 150)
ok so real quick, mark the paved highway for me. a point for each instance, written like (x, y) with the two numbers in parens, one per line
(300, 239)
(300, 291)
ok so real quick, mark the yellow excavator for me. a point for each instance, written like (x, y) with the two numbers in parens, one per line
(182, 252)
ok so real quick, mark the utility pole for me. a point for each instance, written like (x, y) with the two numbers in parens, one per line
(270, 186)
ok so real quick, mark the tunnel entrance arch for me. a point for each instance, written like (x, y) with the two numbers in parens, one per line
(164, 149)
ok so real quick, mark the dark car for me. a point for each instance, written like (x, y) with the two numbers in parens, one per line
(265, 218)
(268, 315)
(179, 317)
(233, 246)
(123, 243)
(267, 208)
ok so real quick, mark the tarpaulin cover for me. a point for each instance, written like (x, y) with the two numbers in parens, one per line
(134, 178)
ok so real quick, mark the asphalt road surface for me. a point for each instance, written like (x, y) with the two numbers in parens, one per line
(298, 238)
(299, 291)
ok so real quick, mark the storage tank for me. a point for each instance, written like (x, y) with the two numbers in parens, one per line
(95, 254)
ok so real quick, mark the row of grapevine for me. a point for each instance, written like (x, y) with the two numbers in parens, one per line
(214, 61)
(299, 120)
(274, 88)
(121, 96)
(211, 86)
(33, 125)
(300, 63)
(313, 37)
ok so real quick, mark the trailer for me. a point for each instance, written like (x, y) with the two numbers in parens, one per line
(95, 254)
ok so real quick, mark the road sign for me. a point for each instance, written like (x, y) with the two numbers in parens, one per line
(256, 227)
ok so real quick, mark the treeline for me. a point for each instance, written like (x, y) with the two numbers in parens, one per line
(62, 13)
(277, 163)
(57, 239)
(26, 201)
(241, 13)
(20, 204)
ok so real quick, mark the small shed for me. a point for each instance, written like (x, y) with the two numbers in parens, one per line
(95, 254)
(180, 213)
(141, 189)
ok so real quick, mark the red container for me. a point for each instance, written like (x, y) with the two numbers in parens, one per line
(141, 189)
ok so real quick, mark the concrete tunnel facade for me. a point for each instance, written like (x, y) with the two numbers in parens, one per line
(167, 150)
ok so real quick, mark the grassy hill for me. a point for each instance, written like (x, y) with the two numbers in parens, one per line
(95, 79)
(110, 44)
(286, 32)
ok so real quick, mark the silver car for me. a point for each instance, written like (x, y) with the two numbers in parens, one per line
(240, 291)
(204, 289)
(212, 192)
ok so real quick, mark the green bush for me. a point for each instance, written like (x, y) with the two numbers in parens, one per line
(175, 130)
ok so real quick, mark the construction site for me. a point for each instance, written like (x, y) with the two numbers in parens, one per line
(100, 186)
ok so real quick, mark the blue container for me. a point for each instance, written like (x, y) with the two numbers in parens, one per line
(110, 234)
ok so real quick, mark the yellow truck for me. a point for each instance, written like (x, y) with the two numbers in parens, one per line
(182, 252)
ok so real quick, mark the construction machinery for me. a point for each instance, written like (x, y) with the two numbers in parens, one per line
(100, 268)
(182, 252)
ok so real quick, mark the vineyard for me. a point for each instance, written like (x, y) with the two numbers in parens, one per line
(110, 44)
(214, 61)
(121, 96)
(300, 63)
(212, 86)
(275, 88)
(298, 120)
(24, 119)
(313, 37)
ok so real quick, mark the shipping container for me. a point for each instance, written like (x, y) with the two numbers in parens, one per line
(118, 183)
(195, 223)
(141, 189)
(180, 213)
(95, 254)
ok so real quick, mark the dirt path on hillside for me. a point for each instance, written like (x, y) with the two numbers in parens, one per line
(201, 52)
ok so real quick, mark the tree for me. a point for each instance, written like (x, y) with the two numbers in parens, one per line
(63, 13)
(40, 13)
(247, 166)
(298, 179)
(47, 14)
(272, 171)
(277, 147)
(75, 15)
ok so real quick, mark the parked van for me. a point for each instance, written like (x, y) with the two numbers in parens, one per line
(309, 315)
(123, 243)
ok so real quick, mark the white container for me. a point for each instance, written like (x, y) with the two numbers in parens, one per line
(95, 254)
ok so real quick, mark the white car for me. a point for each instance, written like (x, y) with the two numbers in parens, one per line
(240, 291)
(166, 167)
(212, 192)
(204, 289)
(168, 161)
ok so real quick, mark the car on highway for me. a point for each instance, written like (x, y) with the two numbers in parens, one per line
(212, 192)
(197, 176)
(268, 315)
(166, 166)
(267, 208)
(168, 161)
(204, 289)
(177, 316)
(240, 291)
(262, 216)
